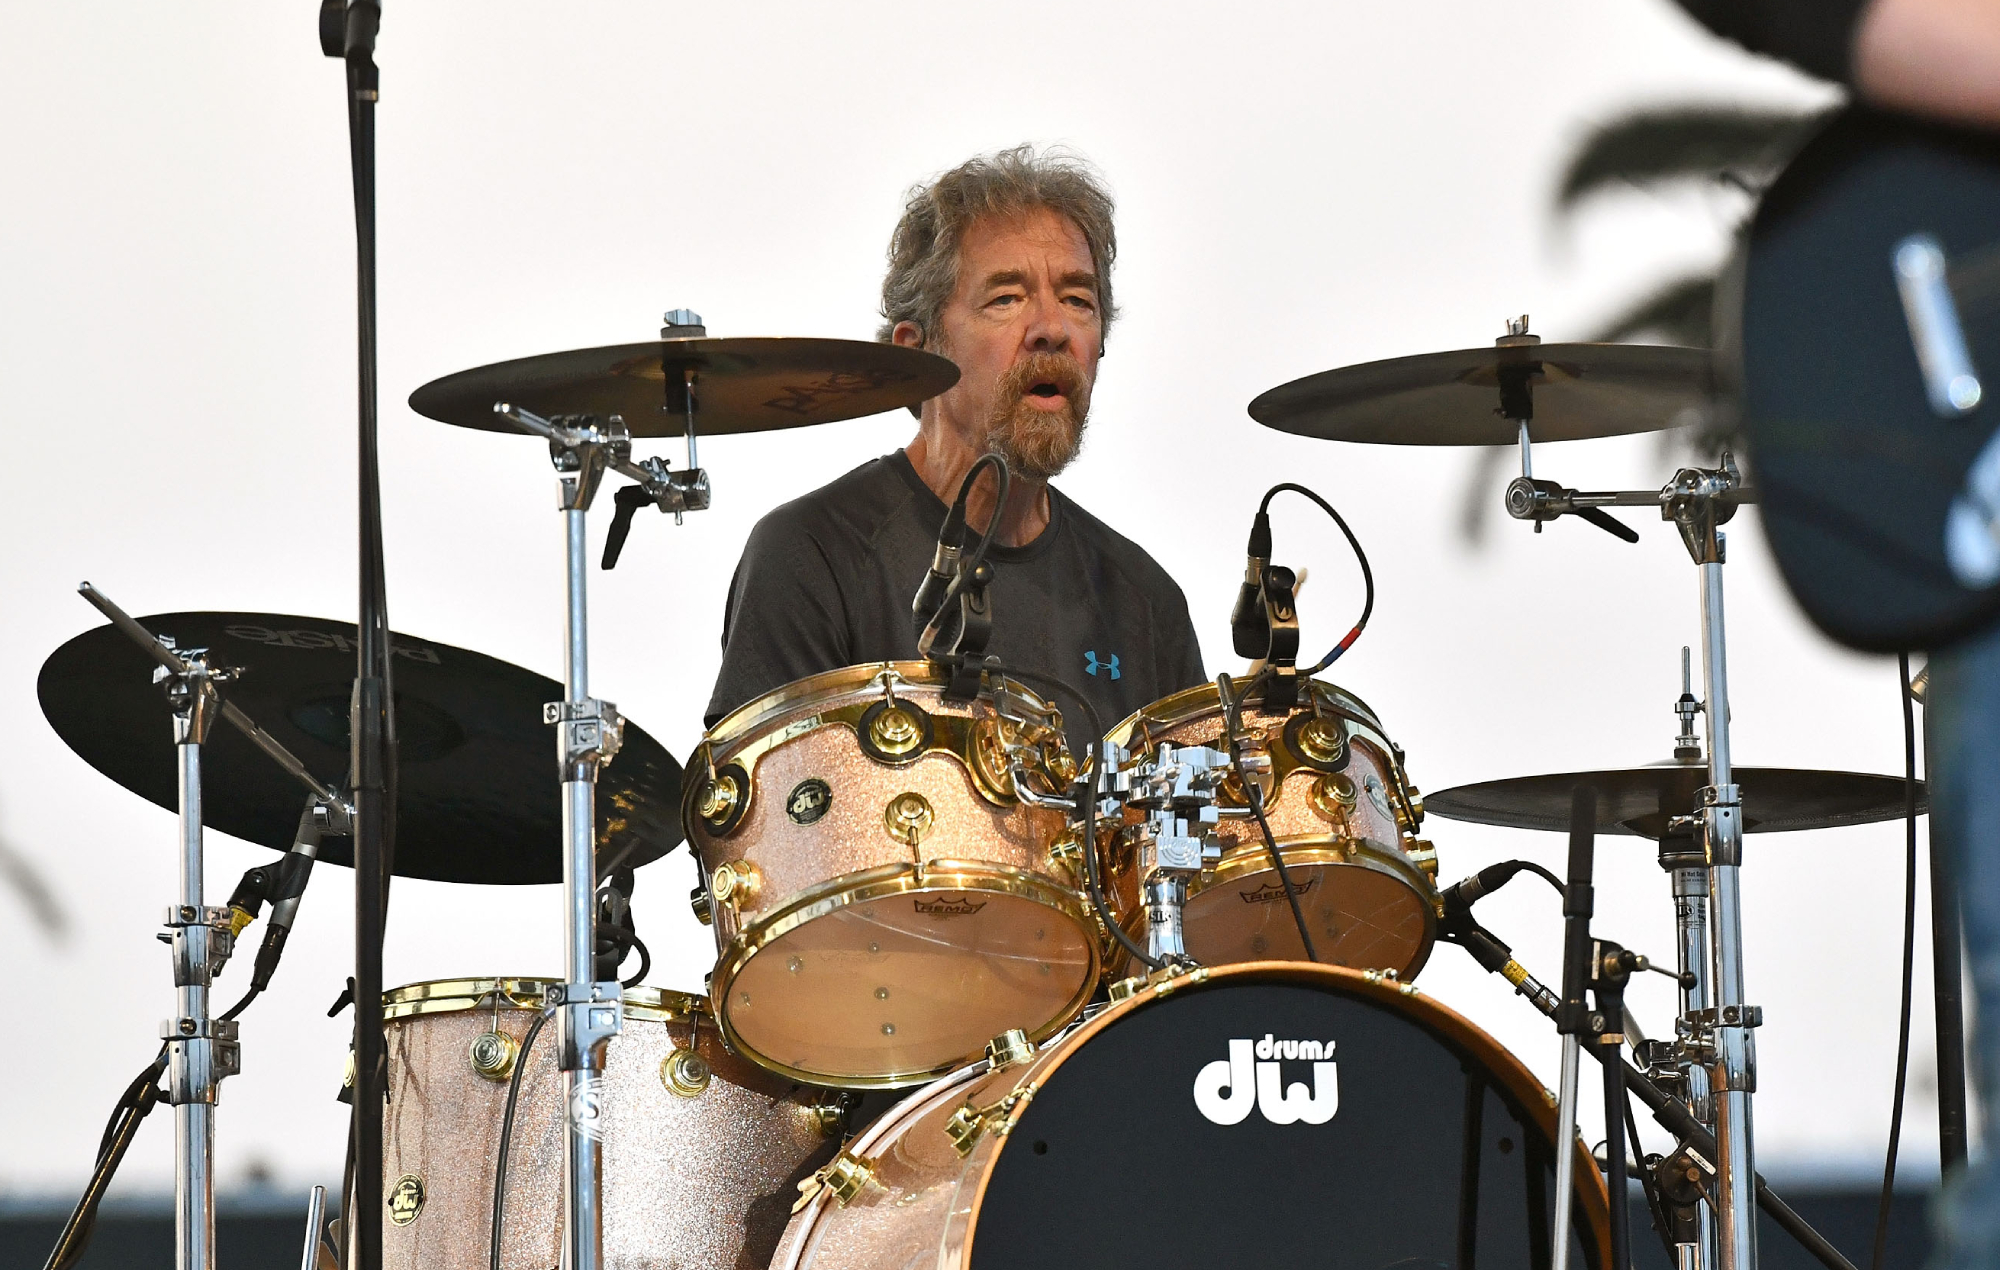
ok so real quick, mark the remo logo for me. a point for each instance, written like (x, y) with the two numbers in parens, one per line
(1226, 1090)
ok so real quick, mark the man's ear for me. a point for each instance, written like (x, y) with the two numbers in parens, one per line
(907, 335)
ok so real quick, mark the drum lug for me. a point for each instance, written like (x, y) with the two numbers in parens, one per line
(735, 883)
(831, 1111)
(1389, 979)
(844, 1177)
(493, 1055)
(684, 1073)
(1009, 1049)
(1422, 854)
(969, 1123)
(909, 818)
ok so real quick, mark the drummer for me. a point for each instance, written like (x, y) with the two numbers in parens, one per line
(1003, 265)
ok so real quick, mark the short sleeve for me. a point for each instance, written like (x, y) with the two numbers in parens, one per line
(784, 618)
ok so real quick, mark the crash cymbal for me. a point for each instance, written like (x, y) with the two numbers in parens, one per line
(477, 798)
(1574, 391)
(1640, 800)
(742, 385)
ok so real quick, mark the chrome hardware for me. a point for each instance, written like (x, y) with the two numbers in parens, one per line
(1951, 381)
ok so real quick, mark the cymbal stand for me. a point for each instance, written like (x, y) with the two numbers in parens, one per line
(1685, 863)
(1716, 1035)
(201, 1050)
(588, 735)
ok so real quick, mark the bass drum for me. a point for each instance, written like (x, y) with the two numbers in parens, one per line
(1267, 1114)
(1344, 816)
(702, 1150)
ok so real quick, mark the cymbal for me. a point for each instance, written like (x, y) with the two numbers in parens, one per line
(1574, 391)
(477, 796)
(1639, 800)
(742, 385)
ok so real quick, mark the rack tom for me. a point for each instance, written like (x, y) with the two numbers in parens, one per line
(1344, 817)
(702, 1150)
(883, 898)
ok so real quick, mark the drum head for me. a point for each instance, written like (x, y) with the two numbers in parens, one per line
(893, 990)
(1264, 1119)
(1368, 919)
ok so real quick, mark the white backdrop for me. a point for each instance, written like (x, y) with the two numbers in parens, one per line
(1300, 186)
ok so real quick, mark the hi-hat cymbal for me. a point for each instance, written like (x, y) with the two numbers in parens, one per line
(1640, 800)
(742, 385)
(1573, 391)
(477, 797)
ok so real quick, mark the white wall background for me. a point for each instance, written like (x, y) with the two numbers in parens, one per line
(1301, 186)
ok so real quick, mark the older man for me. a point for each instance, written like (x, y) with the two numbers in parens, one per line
(1003, 264)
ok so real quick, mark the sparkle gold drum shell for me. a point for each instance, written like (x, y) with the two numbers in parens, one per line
(1344, 816)
(1266, 1114)
(703, 1151)
(883, 901)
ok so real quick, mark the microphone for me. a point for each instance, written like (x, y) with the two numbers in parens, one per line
(1249, 626)
(1460, 896)
(944, 567)
(281, 885)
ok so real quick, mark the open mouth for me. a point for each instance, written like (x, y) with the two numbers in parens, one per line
(1045, 390)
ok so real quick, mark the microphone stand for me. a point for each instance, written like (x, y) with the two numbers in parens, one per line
(1572, 1016)
(347, 30)
(1699, 1145)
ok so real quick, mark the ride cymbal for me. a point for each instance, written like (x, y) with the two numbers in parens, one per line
(1640, 800)
(477, 797)
(1473, 396)
(741, 385)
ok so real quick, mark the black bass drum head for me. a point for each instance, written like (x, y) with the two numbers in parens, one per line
(1282, 1116)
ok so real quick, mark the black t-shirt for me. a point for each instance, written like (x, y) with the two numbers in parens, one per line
(1817, 36)
(826, 581)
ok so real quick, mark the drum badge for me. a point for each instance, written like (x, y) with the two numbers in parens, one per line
(809, 800)
(406, 1199)
(1226, 1090)
(586, 1106)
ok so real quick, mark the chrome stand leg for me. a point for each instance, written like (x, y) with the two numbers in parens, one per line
(201, 1050)
(1691, 959)
(591, 1013)
(1565, 1150)
(1732, 1074)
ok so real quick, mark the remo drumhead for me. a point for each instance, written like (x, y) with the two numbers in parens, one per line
(1266, 1114)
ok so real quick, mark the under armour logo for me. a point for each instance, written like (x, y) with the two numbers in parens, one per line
(1091, 665)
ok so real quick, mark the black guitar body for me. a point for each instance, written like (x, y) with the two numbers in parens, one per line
(1855, 468)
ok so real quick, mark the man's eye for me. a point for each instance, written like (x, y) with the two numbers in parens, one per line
(1004, 299)
(1083, 302)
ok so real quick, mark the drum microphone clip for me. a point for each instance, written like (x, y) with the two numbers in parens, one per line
(1264, 624)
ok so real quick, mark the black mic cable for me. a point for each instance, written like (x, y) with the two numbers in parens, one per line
(1253, 793)
(928, 633)
(1244, 625)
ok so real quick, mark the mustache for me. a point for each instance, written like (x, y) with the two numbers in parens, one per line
(1059, 369)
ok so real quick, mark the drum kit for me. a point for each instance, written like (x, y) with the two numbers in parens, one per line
(1147, 1002)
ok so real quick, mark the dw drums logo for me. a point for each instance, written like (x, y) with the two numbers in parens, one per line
(1227, 1089)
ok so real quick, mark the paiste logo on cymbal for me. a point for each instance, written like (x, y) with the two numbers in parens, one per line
(1252, 1078)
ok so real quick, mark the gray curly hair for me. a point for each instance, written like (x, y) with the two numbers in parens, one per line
(923, 252)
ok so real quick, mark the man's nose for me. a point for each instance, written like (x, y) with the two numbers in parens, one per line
(1047, 331)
